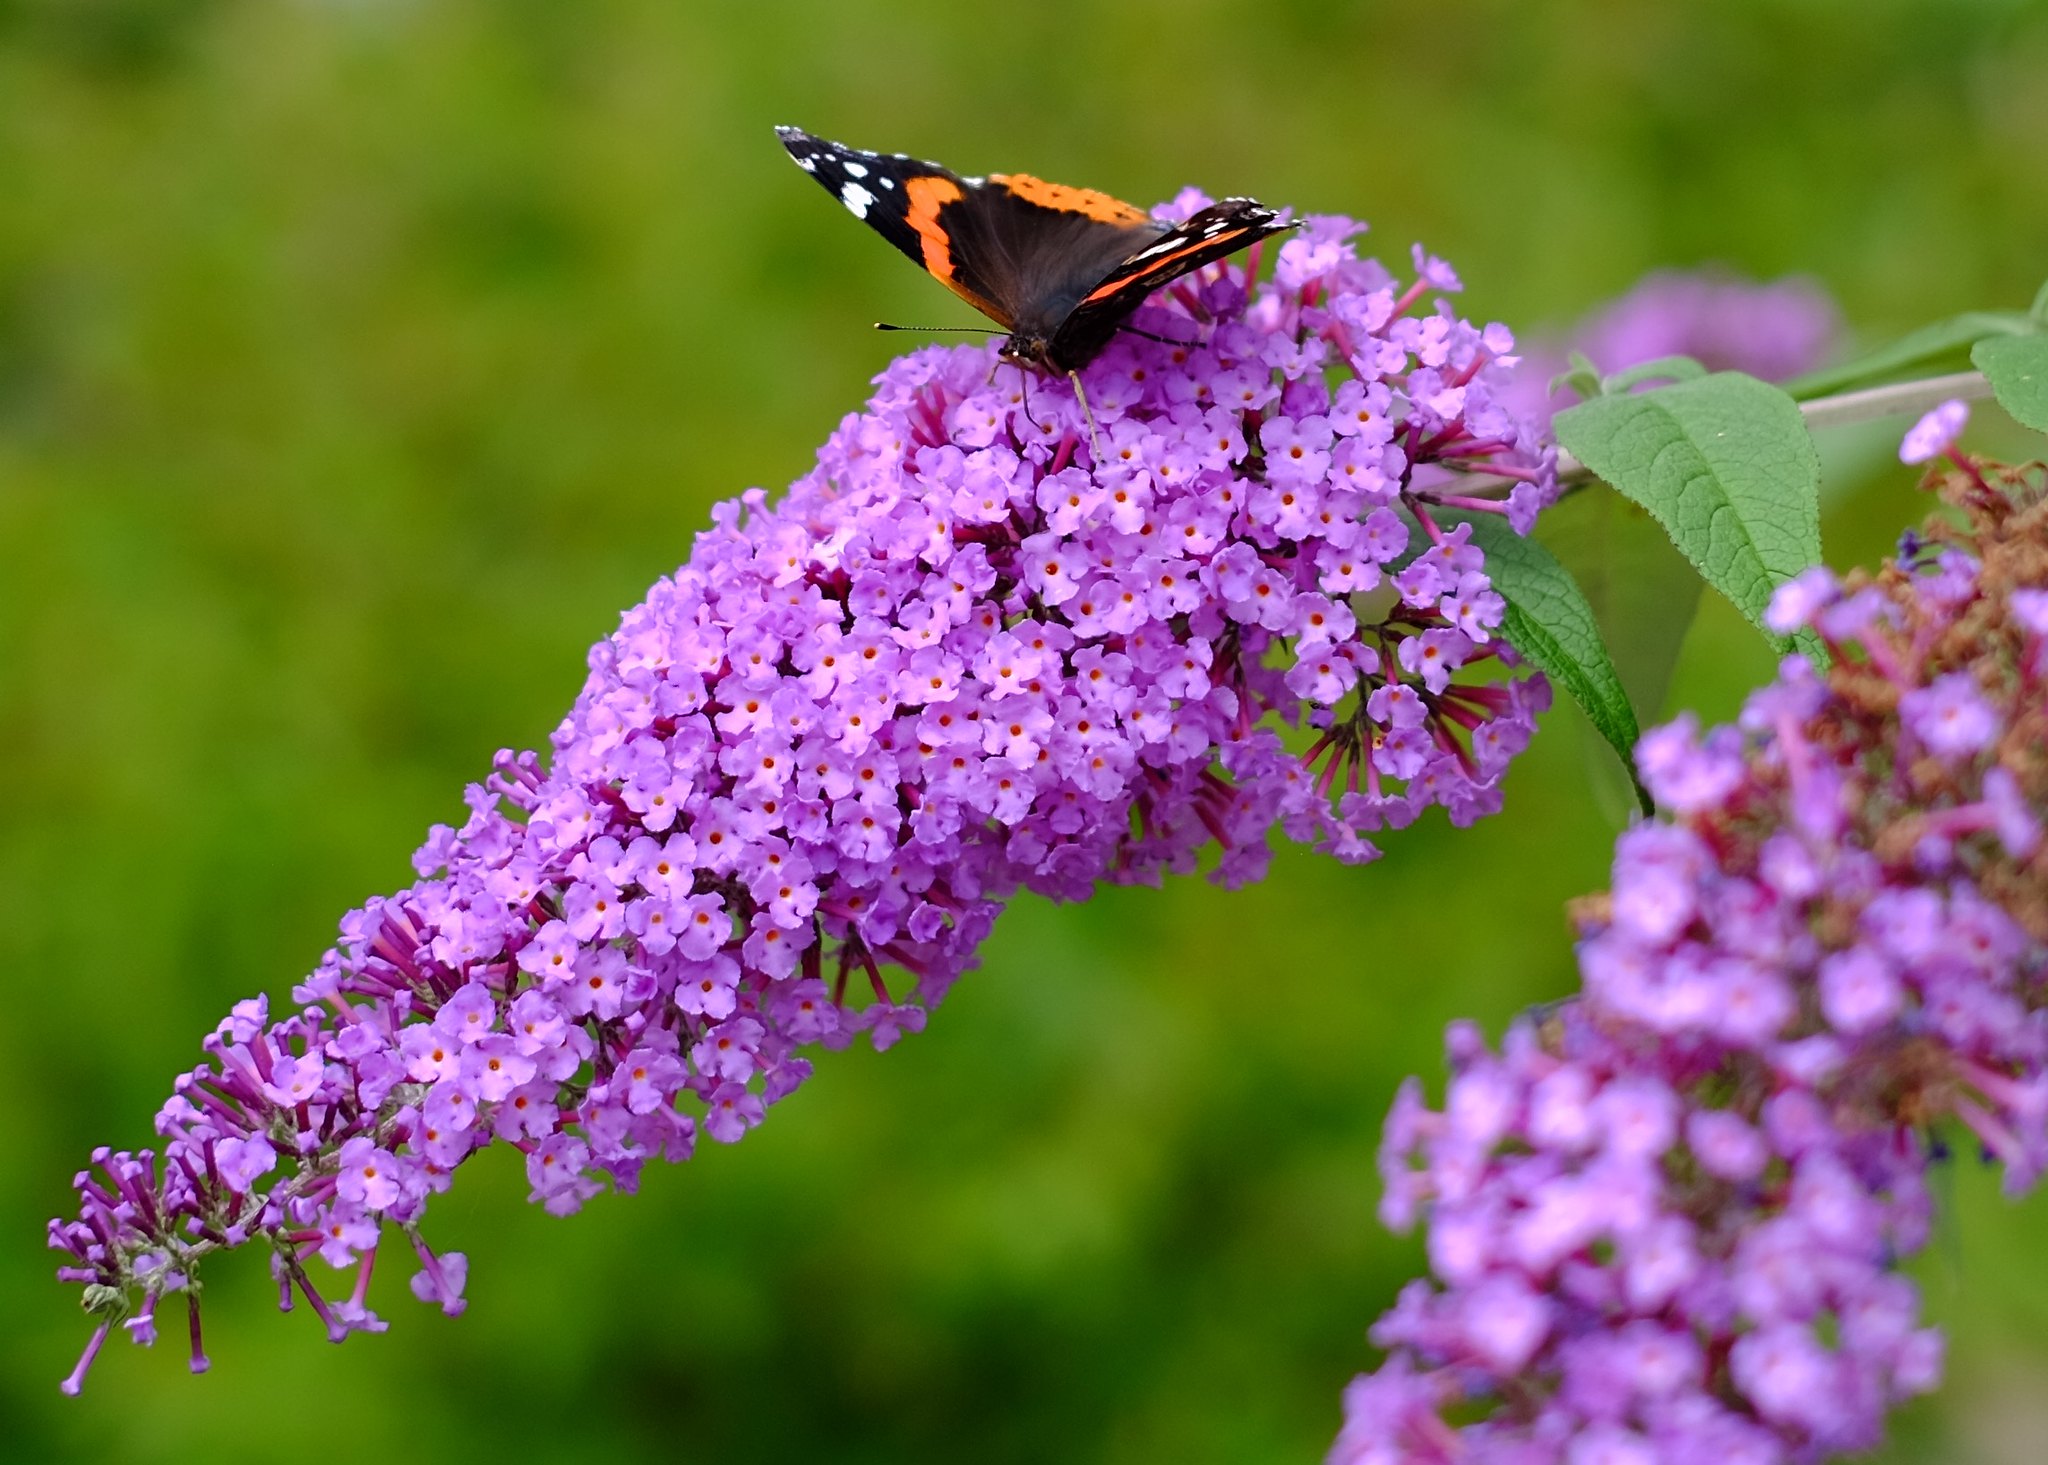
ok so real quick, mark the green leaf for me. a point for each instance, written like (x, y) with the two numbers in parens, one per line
(1642, 592)
(1549, 622)
(1944, 344)
(1725, 465)
(2017, 367)
(1664, 368)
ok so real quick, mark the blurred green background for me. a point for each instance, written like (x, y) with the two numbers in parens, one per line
(361, 360)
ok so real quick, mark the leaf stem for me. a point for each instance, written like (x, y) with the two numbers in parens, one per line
(1895, 399)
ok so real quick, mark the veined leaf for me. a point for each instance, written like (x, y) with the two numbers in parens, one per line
(1725, 465)
(1550, 623)
(2017, 367)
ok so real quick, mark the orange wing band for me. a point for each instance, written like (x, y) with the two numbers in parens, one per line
(1098, 206)
(927, 196)
(1117, 287)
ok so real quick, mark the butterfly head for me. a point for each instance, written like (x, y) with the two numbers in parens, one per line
(1030, 349)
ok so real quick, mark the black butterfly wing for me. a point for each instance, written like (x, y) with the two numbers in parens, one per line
(1204, 237)
(916, 206)
(1059, 268)
(1022, 251)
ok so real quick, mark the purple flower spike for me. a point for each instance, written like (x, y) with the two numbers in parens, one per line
(1665, 1221)
(1775, 330)
(1935, 433)
(962, 657)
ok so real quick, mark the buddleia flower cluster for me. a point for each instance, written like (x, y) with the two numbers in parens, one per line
(984, 646)
(1665, 1218)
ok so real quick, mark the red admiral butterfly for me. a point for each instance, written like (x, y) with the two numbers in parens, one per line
(1058, 268)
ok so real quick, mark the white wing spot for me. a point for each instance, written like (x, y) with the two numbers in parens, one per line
(808, 163)
(856, 198)
(886, 181)
(856, 170)
(974, 182)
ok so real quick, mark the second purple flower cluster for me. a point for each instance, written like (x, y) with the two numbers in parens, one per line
(1665, 1219)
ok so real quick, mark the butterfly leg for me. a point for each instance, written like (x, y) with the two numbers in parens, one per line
(1162, 340)
(1024, 391)
(1094, 442)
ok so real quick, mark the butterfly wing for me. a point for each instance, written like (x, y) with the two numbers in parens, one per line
(1059, 268)
(1204, 237)
(915, 205)
(1020, 250)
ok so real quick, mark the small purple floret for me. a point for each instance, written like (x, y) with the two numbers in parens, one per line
(1950, 716)
(1935, 432)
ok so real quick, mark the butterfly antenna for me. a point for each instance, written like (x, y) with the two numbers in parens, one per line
(882, 325)
(1094, 442)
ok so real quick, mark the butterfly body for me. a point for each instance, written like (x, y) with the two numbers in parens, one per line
(1060, 269)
